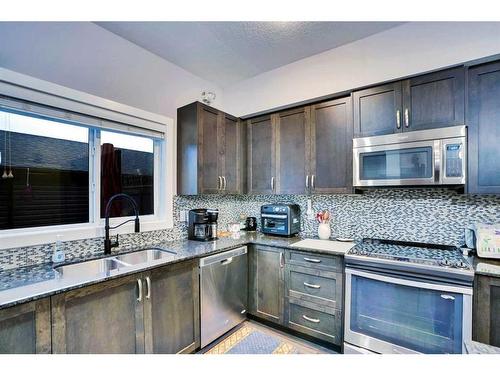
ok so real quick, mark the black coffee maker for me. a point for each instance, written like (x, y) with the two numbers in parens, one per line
(203, 224)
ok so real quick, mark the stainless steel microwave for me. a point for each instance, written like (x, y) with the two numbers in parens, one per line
(423, 157)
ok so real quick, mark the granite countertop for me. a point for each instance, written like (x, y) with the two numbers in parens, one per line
(25, 284)
(474, 347)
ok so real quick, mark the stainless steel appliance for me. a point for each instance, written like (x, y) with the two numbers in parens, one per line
(424, 157)
(224, 291)
(202, 225)
(280, 219)
(407, 298)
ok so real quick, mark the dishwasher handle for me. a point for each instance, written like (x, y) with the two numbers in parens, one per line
(223, 258)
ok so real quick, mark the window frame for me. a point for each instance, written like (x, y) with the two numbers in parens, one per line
(164, 182)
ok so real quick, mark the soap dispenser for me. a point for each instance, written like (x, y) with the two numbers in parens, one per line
(58, 255)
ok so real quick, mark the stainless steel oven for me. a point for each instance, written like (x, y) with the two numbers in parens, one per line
(424, 157)
(386, 313)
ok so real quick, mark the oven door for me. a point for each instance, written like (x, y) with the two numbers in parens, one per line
(412, 163)
(392, 315)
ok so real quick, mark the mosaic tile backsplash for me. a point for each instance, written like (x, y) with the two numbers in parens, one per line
(423, 215)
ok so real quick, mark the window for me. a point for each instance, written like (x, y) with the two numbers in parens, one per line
(127, 166)
(44, 172)
(55, 173)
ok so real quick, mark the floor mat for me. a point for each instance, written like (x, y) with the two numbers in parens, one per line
(251, 338)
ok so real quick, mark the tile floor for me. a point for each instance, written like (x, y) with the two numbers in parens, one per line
(251, 337)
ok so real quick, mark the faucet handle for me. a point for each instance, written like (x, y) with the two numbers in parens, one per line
(116, 244)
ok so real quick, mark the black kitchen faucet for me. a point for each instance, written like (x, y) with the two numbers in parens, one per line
(108, 245)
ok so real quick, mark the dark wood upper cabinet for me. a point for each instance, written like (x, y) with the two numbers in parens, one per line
(293, 151)
(378, 110)
(428, 101)
(233, 154)
(211, 151)
(434, 100)
(331, 146)
(483, 121)
(209, 145)
(261, 155)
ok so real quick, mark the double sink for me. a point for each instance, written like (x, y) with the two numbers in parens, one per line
(114, 265)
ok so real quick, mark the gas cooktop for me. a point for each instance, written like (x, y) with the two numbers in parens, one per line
(417, 257)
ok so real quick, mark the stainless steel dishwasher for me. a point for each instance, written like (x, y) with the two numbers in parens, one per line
(224, 292)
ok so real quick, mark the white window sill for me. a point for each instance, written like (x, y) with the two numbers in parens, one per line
(46, 235)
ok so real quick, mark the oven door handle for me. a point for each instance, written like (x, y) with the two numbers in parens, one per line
(412, 283)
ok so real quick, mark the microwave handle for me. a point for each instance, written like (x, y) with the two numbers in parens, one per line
(437, 161)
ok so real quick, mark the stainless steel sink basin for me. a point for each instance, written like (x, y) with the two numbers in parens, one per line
(112, 265)
(145, 256)
(91, 268)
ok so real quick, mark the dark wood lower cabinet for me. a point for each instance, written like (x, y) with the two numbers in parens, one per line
(149, 312)
(486, 319)
(266, 283)
(103, 318)
(172, 309)
(25, 329)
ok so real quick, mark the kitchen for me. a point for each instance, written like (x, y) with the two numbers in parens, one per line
(154, 202)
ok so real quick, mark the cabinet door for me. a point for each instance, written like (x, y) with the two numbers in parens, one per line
(233, 155)
(434, 100)
(209, 145)
(172, 309)
(261, 156)
(25, 329)
(377, 110)
(331, 146)
(103, 318)
(486, 319)
(292, 151)
(484, 129)
(266, 283)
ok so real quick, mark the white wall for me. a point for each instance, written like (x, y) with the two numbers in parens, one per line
(86, 57)
(405, 50)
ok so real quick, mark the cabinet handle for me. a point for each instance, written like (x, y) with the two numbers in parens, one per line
(148, 284)
(224, 183)
(139, 285)
(313, 177)
(312, 260)
(398, 119)
(312, 320)
(282, 260)
(407, 117)
(219, 185)
(307, 182)
(314, 286)
(272, 183)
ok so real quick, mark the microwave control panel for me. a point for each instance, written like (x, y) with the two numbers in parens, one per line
(454, 160)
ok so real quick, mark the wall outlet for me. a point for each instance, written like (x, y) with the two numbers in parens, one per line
(183, 215)
(310, 212)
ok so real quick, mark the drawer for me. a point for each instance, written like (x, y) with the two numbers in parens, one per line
(325, 324)
(314, 260)
(317, 286)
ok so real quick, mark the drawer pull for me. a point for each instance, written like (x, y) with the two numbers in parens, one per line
(312, 260)
(314, 286)
(312, 320)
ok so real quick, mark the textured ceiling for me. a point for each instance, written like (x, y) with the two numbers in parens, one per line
(227, 52)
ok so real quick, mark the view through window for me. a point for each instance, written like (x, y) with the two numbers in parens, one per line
(127, 166)
(44, 175)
